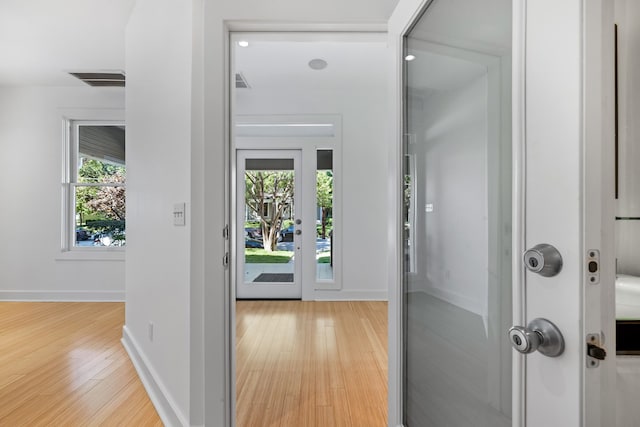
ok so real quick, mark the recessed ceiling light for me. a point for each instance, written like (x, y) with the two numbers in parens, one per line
(409, 57)
(318, 64)
(243, 43)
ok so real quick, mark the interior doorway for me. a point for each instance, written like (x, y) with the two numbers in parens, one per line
(309, 111)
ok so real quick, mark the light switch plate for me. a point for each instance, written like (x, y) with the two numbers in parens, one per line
(179, 214)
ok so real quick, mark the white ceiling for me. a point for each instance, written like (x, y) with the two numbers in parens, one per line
(281, 62)
(42, 40)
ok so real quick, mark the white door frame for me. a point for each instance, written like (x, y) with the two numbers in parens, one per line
(561, 119)
(232, 145)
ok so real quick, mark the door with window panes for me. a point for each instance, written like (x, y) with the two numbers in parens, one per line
(285, 222)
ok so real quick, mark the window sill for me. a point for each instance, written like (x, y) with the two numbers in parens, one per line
(94, 254)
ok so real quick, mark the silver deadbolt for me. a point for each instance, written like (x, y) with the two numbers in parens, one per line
(541, 335)
(543, 259)
(298, 221)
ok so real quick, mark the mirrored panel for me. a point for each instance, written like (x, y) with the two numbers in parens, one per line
(627, 180)
(457, 216)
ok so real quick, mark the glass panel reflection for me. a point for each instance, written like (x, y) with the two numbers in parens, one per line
(456, 186)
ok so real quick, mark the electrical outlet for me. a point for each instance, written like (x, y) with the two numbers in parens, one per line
(150, 331)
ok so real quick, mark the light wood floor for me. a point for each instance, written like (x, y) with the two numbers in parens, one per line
(311, 363)
(298, 364)
(62, 364)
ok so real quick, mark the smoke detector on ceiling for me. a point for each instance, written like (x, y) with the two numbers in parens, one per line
(102, 79)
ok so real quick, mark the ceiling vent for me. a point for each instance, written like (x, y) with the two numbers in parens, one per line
(101, 79)
(241, 82)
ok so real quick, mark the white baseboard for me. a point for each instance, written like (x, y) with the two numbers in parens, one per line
(62, 296)
(165, 406)
(359, 295)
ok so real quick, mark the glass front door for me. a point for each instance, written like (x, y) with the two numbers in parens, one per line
(269, 228)
(457, 216)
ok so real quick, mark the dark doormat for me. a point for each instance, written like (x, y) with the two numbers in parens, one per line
(274, 277)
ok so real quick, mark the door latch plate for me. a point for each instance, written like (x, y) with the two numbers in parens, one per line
(595, 351)
(593, 266)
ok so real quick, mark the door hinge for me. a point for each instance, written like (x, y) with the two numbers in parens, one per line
(595, 350)
(225, 232)
(225, 260)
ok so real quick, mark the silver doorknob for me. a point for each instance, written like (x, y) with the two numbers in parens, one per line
(298, 232)
(543, 259)
(540, 334)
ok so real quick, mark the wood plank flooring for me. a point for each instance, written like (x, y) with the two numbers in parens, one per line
(306, 363)
(62, 364)
(298, 364)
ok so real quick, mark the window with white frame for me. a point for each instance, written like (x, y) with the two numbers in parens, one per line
(95, 183)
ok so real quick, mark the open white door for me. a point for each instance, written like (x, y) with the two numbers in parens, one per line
(504, 142)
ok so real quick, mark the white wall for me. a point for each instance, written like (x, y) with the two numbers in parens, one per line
(32, 264)
(364, 160)
(158, 107)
